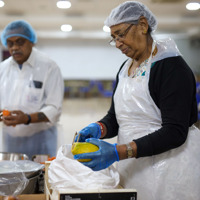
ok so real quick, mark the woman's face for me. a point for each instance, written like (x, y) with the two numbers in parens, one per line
(133, 43)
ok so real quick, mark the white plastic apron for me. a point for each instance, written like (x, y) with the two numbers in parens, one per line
(21, 94)
(172, 175)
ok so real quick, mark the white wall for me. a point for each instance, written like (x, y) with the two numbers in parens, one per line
(190, 52)
(96, 59)
(88, 59)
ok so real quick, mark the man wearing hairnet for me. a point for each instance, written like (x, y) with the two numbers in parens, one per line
(152, 112)
(31, 89)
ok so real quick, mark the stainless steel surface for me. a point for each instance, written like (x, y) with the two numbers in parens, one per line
(32, 186)
(29, 168)
(18, 185)
(75, 138)
(19, 177)
(13, 156)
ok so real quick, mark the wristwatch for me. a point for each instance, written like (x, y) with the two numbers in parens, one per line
(129, 150)
(29, 119)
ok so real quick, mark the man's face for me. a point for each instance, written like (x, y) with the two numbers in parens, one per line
(19, 48)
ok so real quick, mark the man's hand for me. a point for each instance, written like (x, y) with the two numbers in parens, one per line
(16, 117)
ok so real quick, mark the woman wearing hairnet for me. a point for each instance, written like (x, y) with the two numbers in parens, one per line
(31, 88)
(153, 111)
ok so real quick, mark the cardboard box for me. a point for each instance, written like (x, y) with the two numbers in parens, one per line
(100, 194)
(47, 189)
(114, 194)
(29, 197)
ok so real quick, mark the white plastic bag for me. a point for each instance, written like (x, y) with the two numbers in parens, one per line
(67, 173)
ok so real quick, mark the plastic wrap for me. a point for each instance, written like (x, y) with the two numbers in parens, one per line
(12, 180)
(67, 173)
(14, 176)
(166, 48)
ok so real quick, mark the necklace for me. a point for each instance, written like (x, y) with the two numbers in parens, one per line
(141, 69)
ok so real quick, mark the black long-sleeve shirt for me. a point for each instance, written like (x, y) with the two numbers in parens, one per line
(172, 87)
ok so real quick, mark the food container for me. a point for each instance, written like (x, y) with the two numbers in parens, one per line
(19, 177)
(32, 186)
(40, 158)
(13, 156)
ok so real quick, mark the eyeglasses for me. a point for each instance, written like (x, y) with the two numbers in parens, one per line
(112, 42)
(18, 42)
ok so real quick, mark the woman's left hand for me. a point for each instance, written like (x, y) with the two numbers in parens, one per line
(101, 159)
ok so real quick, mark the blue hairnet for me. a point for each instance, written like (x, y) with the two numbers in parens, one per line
(130, 12)
(19, 28)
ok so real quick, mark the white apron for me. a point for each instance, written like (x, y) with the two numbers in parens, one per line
(173, 175)
(19, 93)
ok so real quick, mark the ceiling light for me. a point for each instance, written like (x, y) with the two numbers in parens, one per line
(193, 6)
(63, 4)
(2, 3)
(106, 29)
(66, 28)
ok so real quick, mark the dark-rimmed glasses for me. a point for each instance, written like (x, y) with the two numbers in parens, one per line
(112, 42)
(18, 42)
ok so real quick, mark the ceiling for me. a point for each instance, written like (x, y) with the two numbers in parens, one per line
(87, 16)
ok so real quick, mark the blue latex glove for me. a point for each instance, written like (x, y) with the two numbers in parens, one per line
(91, 131)
(101, 159)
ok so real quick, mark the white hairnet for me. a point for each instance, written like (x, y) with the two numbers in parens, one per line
(130, 12)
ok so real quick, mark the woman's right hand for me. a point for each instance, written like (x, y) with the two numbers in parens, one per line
(93, 130)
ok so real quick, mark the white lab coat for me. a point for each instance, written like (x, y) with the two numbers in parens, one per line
(37, 87)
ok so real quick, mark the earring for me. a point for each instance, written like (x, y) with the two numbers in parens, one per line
(145, 31)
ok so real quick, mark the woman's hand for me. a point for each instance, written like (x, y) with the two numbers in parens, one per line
(101, 159)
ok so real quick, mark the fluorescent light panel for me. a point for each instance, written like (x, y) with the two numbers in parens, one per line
(193, 6)
(63, 4)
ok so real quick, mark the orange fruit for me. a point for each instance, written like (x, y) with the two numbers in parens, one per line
(6, 112)
(52, 158)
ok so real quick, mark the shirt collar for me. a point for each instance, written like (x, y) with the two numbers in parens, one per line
(31, 59)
